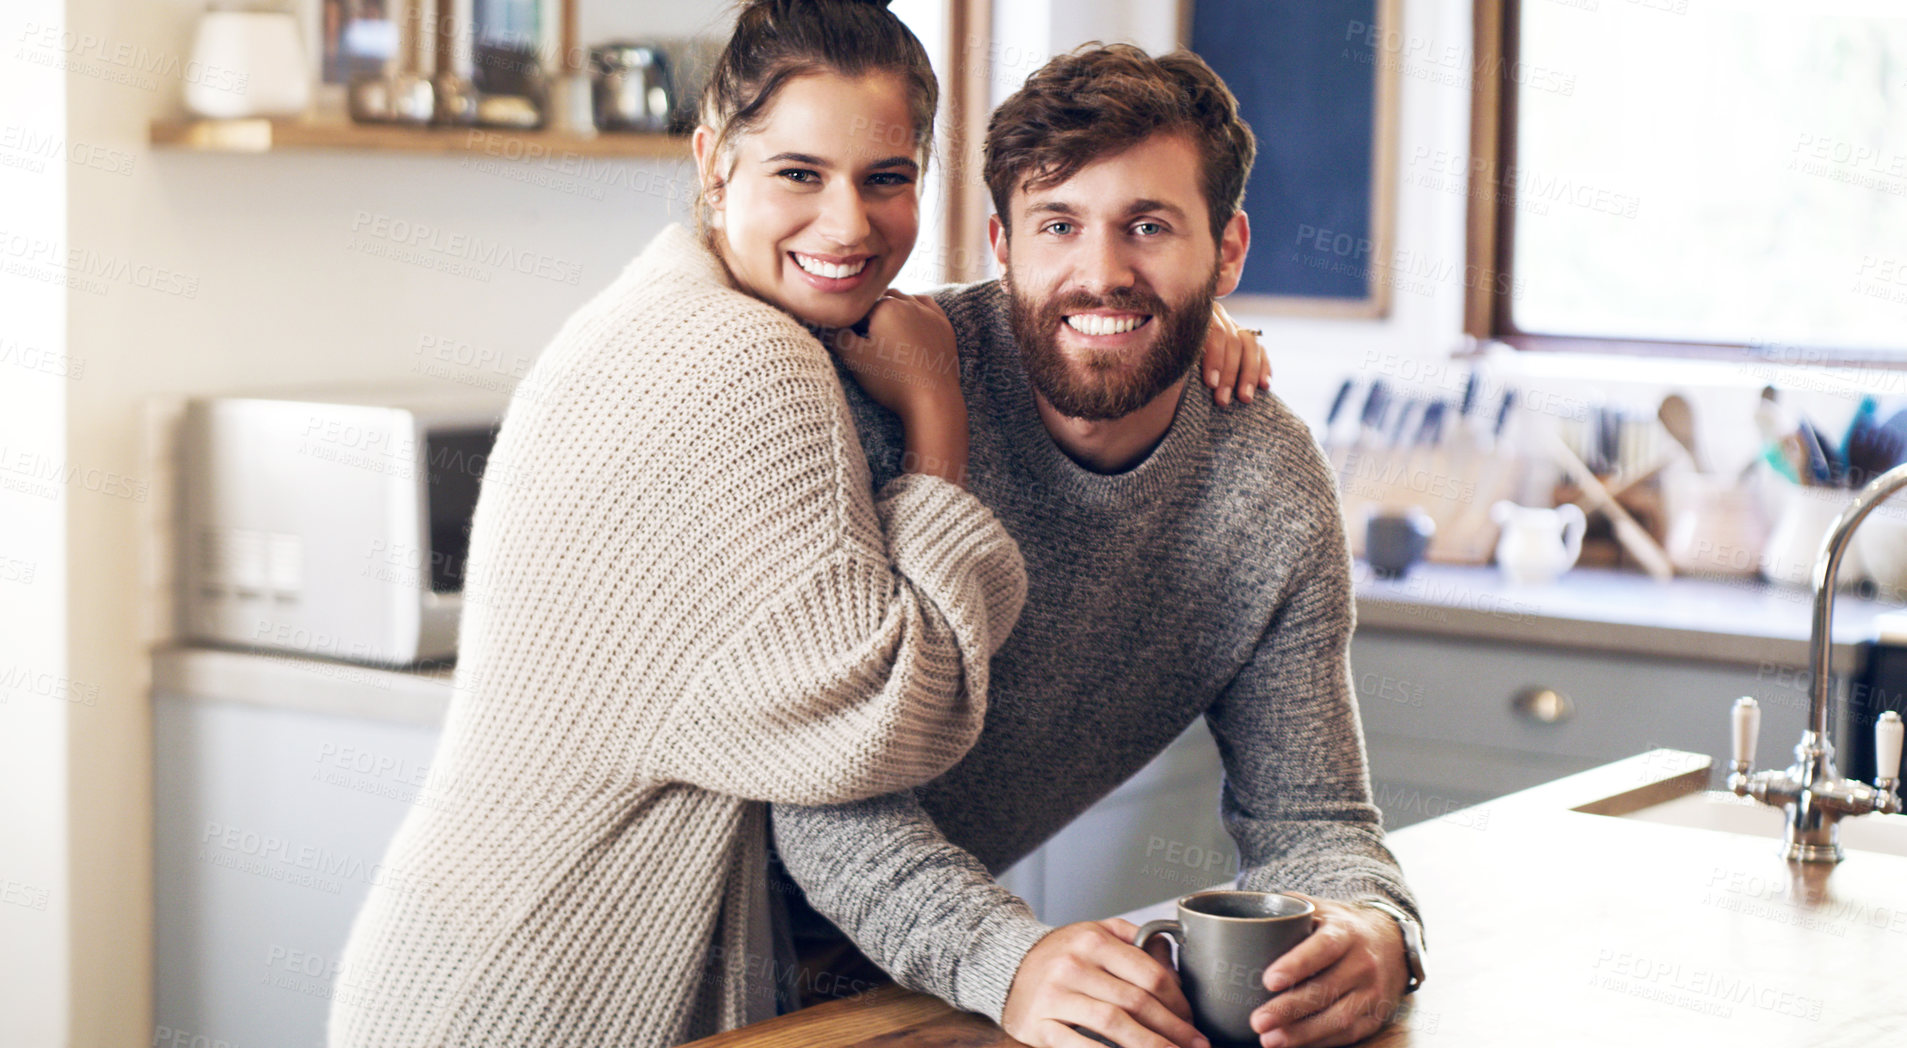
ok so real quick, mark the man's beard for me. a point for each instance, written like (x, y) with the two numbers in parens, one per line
(1109, 384)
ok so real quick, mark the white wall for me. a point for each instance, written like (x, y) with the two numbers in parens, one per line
(35, 902)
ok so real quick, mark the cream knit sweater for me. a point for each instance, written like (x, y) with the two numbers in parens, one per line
(683, 600)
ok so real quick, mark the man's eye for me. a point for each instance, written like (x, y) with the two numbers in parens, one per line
(1060, 228)
(1148, 229)
(800, 175)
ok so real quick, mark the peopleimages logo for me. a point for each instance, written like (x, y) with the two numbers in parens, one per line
(302, 865)
(33, 358)
(1699, 990)
(24, 680)
(421, 241)
(1423, 58)
(31, 146)
(50, 474)
(18, 893)
(134, 58)
(80, 265)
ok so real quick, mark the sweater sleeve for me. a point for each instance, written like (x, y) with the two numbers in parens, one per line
(926, 911)
(846, 637)
(1296, 795)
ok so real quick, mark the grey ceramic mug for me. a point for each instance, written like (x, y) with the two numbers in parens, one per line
(1226, 941)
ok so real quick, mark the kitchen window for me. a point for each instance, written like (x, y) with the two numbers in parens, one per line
(1692, 178)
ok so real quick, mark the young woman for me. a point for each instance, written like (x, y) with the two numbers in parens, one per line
(683, 601)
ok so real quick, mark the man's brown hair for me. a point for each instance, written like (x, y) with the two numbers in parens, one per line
(1099, 100)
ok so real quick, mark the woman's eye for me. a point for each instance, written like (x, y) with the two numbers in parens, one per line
(889, 178)
(799, 175)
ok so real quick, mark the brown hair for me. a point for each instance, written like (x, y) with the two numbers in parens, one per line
(776, 41)
(1102, 99)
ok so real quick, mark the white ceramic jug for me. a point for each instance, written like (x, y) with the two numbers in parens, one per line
(1536, 545)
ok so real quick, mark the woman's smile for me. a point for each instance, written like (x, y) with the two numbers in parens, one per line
(832, 273)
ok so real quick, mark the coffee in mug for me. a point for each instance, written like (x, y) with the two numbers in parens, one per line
(1226, 940)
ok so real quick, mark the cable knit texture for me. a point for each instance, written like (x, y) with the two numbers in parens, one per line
(684, 600)
(1209, 580)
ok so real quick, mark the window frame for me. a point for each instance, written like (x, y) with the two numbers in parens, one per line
(1490, 230)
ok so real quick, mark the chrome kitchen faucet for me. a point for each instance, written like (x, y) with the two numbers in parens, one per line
(1815, 799)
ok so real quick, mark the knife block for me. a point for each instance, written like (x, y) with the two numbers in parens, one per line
(1456, 486)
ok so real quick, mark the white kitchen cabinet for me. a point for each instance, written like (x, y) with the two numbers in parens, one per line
(1451, 722)
(269, 828)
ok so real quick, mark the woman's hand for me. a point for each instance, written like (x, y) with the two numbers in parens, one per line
(1234, 362)
(908, 364)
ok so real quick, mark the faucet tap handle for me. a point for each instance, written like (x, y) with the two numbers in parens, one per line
(1887, 732)
(1747, 725)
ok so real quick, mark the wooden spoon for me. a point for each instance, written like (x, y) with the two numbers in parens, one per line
(1678, 417)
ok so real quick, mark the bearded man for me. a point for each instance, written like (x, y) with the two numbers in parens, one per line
(1183, 561)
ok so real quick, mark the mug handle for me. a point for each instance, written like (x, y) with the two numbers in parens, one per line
(1171, 929)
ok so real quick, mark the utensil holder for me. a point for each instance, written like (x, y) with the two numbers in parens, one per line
(1795, 542)
(1716, 527)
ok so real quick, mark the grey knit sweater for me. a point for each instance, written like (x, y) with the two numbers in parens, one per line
(1211, 579)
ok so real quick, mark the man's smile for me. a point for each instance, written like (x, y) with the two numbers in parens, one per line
(1100, 324)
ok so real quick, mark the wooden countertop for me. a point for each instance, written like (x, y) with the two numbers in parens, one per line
(1551, 923)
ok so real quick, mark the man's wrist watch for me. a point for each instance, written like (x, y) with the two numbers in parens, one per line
(1413, 940)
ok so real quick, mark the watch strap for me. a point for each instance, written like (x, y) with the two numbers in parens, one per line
(1413, 934)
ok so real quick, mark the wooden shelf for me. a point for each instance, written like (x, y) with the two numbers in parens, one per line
(262, 135)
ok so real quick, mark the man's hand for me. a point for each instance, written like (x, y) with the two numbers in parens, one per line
(1337, 986)
(1234, 361)
(1090, 975)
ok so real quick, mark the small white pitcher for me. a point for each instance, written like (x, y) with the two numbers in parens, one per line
(1537, 545)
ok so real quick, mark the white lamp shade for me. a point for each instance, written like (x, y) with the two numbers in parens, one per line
(247, 63)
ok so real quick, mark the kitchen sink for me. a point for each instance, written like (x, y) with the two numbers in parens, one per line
(1717, 810)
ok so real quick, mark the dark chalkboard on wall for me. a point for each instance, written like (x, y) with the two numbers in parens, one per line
(1316, 80)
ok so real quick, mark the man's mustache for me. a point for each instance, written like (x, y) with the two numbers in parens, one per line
(1131, 300)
